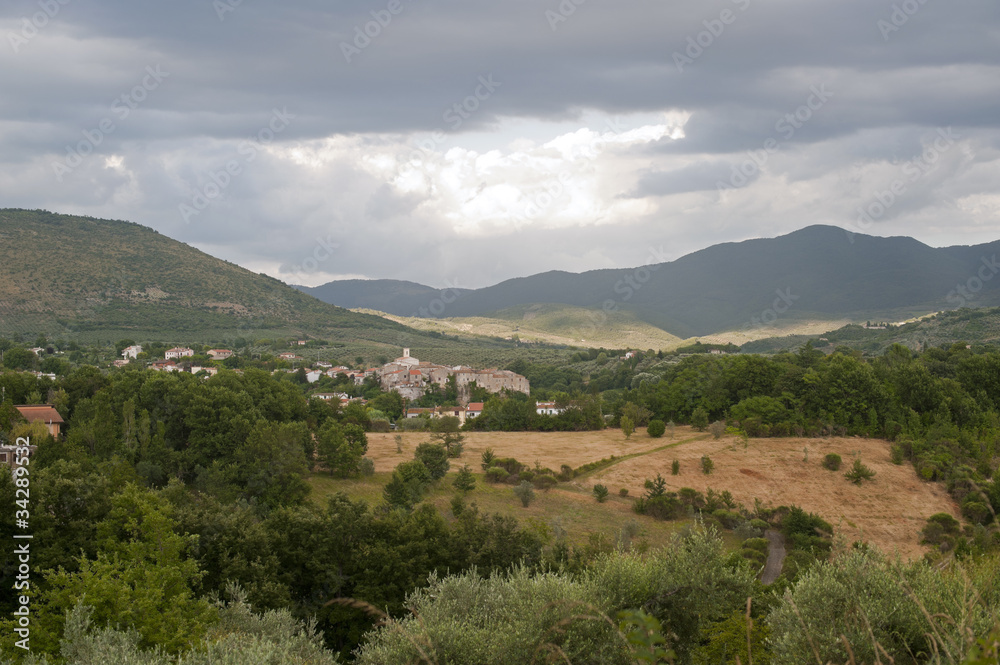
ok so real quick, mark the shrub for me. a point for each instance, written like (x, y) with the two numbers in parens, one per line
(434, 457)
(495, 474)
(488, 457)
(717, 429)
(544, 482)
(623, 492)
(939, 527)
(896, 453)
(366, 466)
(566, 472)
(758, 544)
(508, 463)
(464, 481)
(675, 467)
(656, 428)
(707, 464)
(628, 426)
(527, 474)
(760, 524)
(859, 472)
(832, 461)
(380, 425)
(600, 493)
(525, 492)
(699, 419)
(413, 424)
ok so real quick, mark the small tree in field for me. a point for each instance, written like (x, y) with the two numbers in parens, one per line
(627, 426)
(600, 493)
(675, 467)
(656, 428)
(717, 429)
(525, 492)
(464, 481)
(707, 464)
(859, 472)
(699, 419)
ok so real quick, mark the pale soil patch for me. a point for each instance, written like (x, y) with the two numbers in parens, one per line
(888, 512)
(550, 449)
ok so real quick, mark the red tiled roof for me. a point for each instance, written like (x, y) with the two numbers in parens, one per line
(40, 412)
(475, 406)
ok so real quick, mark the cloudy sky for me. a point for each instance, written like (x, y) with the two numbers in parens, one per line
(463, 142)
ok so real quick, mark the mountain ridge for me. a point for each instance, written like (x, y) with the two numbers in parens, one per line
(823, 272)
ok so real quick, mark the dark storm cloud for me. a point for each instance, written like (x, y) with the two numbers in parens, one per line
(827, 96)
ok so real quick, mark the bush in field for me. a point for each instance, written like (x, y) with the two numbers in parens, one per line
(859, 472)
(675, 467)
(434, 457)
(488, 457)
(600, 493)
(941, 529)
(699, 419)
(566, 473)
(832, 461)
(707, 464)
(717, 429)
(367, 466)
(628, 426)
(544, 482)
(464, 481)
(896, 454)
(495, 474)
(656, 428)
(525, 492)
(623, 492)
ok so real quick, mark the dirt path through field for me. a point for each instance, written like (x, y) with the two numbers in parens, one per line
(775, 556)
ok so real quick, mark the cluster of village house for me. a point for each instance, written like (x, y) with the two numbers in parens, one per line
(405, 375)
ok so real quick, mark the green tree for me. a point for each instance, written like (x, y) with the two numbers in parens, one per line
(707, 464)
(525, 492)
(465, 481)
(600, 493)
(628, 426)
(270, 467)
(434, 458)
(699, 419)
(141, 578)
(340, 449)
(656, 428)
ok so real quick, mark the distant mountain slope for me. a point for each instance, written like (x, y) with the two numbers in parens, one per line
(553, 324)
(64, 275)
(385, 295)
(973, 326)
(822, 272)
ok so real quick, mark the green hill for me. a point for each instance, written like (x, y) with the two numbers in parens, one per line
(79, 277)
(552, 324)
(972, 326)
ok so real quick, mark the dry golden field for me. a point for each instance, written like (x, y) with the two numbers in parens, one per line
(887, 512)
